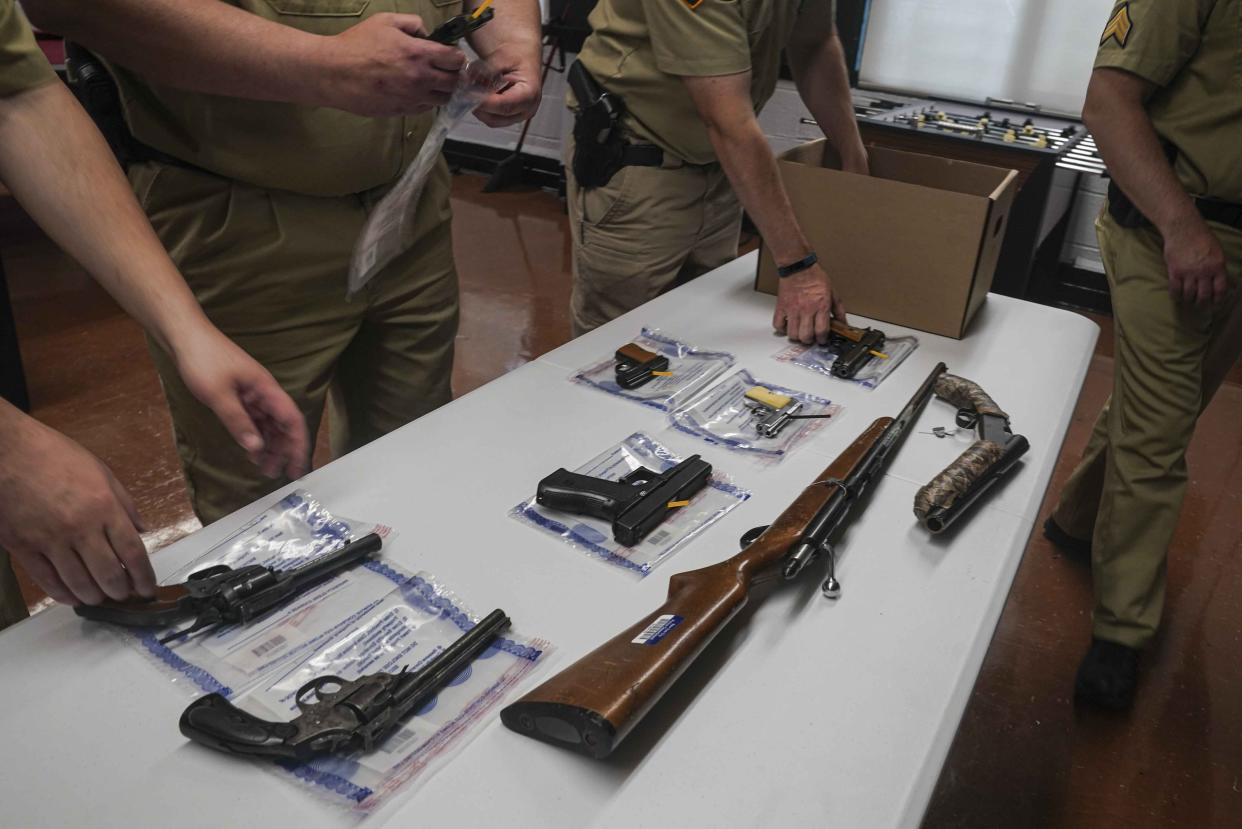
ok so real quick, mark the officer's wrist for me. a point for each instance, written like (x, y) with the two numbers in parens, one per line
(784, 270)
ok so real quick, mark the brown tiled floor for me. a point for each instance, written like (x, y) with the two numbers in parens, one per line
(1023, 757)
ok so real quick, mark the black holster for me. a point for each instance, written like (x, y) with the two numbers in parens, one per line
(97, 92)
(599, 145)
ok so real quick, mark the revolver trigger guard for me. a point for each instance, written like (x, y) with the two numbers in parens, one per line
(314, 686)
(966, 418)
(209, 572)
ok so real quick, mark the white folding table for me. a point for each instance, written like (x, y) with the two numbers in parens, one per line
(804, 712)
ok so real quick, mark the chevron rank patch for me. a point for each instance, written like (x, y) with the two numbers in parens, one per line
(692, 4)
(1119, 26)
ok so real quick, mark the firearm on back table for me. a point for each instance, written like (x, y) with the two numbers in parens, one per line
(593, 704)
(949, 494)
(337, 715)
(635, 505)
(221, 595)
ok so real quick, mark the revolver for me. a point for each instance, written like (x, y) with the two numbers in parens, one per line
(220, 595)
(336, 714)
(636, 504)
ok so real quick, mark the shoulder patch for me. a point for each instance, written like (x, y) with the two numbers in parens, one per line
(692, 4)
(1119, 27)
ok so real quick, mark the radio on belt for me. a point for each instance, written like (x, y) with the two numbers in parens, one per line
(636, 366)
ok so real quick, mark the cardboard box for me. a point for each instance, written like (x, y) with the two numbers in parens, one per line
(915, 243)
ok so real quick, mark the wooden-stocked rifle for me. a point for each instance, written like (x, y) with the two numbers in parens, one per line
(593, 704)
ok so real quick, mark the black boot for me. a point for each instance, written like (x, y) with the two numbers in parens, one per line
(1075, 549)
(1107, 676)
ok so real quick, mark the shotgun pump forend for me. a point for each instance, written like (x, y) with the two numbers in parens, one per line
(593, 704)
(337, 715)
(219, 595)
(943, 500)
(636, 504)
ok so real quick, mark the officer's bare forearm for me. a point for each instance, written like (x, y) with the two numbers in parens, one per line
(724, 104)
(824, 84)
(1117, 118)
(64, 175)
(517, 28)
(200, 45)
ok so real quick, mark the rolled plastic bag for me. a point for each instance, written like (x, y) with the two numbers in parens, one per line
(389, 230)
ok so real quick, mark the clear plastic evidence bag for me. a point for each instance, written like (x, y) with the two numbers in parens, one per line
(389, 230)
(594, 537)
(372, 617)
(689, 370)
(726, 416)
(820, 358)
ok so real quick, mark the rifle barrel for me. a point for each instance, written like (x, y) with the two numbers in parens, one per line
(593, 704)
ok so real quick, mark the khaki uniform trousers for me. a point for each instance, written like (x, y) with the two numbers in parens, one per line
(269, 268)
(1127, 492)
(12, 604)
(646, 231)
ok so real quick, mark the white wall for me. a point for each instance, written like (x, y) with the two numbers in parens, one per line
(1037, 51)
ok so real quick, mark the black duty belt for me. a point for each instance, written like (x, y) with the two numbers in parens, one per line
(642, 155)
(1127, 214)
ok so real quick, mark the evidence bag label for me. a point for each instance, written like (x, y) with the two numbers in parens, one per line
(657, 630)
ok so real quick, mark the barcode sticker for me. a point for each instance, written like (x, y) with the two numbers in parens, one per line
(269, 646)
(397, 742)
(658, 537)
(258, 650)
(657, 630)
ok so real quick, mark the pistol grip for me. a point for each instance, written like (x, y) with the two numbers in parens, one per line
(215, 722)
(583, 495)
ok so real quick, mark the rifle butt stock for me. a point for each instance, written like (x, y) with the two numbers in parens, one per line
(593, 704)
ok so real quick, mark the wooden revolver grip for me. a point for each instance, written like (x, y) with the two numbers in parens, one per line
(163, 609)
(593, 704)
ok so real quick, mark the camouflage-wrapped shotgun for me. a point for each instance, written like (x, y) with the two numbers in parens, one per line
(951, 493)
(593, 704)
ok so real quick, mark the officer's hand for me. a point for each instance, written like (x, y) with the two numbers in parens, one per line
(386, 66)
(856, 162)
(249, 402)
(67, 520)
(520, 91)
(1196, 263)
(805, 305)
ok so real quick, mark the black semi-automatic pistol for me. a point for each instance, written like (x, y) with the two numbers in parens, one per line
(220, 595)
(636, 504)
(337, 715)
(455, 28)
(854, 346)
(636, 365)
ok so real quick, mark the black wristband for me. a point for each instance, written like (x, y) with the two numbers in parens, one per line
(802, 264)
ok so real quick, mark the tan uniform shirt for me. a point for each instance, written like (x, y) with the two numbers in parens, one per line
(640, 49)
(316, 151)
(1192, 50)
(22, 64)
